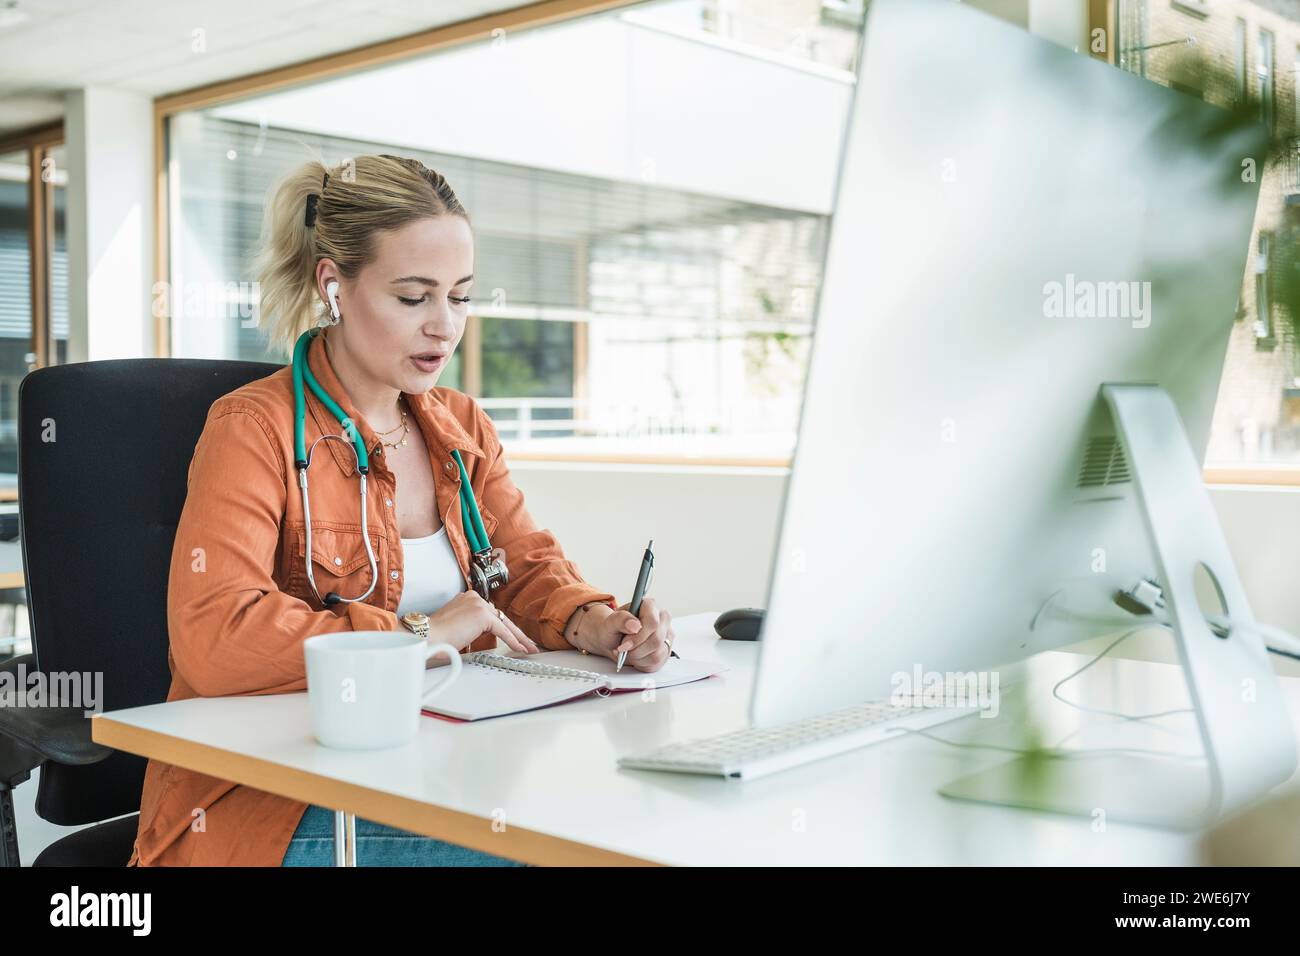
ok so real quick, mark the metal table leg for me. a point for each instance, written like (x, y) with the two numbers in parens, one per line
(345, 838)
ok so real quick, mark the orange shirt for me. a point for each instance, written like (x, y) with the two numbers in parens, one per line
(239, 604)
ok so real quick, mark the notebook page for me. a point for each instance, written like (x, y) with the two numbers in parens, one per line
(482, 691)
(676, 670)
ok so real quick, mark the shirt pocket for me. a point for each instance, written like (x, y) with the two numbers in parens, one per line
(339, 561)
(489, 521)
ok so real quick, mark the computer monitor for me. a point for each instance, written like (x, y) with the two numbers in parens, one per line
(1016, 226)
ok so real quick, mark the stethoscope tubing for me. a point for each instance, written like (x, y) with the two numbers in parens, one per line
(470, 515)
(365, 531)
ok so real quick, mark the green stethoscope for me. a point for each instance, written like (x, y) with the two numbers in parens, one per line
(488, 569)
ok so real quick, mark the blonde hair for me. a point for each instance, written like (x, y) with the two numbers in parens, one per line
(361, 197)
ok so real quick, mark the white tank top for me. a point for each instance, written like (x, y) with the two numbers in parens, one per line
(432, 575)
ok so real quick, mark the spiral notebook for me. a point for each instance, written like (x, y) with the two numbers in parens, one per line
(493, 685)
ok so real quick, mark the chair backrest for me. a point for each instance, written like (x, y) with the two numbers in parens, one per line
(103, 462)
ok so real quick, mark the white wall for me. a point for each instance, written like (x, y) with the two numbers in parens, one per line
(110, 223)
(715, 532)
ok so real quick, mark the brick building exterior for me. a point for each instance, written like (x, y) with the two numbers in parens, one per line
(1255, 43)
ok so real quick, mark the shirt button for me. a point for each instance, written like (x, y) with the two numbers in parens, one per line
(450, 465)
(388, 502)
(338, 560)
(393, 575)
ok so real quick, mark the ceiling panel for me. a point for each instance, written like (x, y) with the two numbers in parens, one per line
(146, 45)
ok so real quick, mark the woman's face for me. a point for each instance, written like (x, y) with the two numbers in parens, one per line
(404, 313)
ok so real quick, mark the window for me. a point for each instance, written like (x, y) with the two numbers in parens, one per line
(33, 319)
(1295, 88)
(1256, 420)
(1263, 304)
(1239, 48)
(649, 245)
(649, 224)
(15, 298)
(1264, 72)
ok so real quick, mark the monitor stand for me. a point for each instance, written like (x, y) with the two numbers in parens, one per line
(1244, 726)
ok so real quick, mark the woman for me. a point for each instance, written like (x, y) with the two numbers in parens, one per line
(397, 241)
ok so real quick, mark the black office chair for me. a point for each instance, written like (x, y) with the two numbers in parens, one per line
(103, 460)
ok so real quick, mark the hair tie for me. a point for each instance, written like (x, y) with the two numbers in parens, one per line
(313, 199)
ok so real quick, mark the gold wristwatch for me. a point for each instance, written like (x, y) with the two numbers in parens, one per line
(417, 622)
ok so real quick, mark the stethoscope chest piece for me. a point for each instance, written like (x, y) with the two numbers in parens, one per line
(488, 571)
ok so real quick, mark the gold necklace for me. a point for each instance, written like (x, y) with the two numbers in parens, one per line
(403, 426)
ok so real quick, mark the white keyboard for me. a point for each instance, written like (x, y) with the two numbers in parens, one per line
(758, 751)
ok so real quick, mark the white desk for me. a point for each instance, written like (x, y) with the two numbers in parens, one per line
(550, 776)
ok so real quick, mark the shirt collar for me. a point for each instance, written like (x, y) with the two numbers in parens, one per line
(440, 428)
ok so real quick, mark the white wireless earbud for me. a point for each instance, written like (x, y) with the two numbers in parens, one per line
(331, 292)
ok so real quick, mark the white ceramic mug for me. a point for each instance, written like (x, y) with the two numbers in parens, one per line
(366, 688)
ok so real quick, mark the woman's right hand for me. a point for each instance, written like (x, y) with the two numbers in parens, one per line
(466, 617)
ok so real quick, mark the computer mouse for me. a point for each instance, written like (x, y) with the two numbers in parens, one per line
(739, 624)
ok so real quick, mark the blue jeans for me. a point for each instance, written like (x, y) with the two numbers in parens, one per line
(378, 845)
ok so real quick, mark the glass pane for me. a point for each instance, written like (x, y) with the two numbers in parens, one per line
(819, 31)
(532, 358)
(1235, 49)
(646, 252)
(15, 298)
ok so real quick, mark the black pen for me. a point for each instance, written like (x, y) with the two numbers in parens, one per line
(642, 585)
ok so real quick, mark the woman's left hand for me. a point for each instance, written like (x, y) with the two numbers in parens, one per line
(647, 647)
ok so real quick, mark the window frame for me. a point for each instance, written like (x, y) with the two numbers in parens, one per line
(321, 68)
(1263, 294)
(38, 143)
(1266, 74)
(1101, 15)
(329, 66)
(1242, 49)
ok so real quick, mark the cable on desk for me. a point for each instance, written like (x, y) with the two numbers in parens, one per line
(1047, 751)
